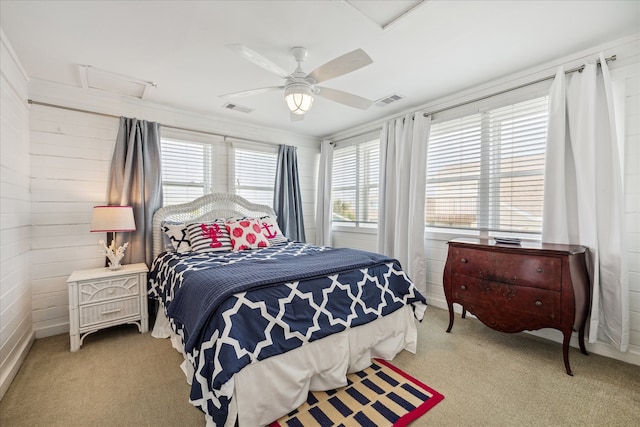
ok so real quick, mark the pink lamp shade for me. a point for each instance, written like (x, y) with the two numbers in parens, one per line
(112, 219)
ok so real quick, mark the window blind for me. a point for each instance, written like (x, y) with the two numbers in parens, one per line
(355, 183)
(486, 170)
(254, 174)
(186, 170)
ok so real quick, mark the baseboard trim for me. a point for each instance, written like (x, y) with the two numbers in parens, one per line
(51, 330)
(599, 348)
(13, 363)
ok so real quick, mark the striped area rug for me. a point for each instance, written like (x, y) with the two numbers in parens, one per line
(381, 395)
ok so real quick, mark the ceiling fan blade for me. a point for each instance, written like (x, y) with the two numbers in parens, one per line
(344, 98)
(251, 92)
(259, 60)
(341, 65)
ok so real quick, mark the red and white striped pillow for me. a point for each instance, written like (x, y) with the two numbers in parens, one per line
(246, 234)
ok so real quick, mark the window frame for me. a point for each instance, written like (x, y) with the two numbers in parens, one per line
(216, 182)
(258, 148)
(500, 100)
(357, 225)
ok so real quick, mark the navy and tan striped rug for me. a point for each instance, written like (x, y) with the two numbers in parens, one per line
(381, 395)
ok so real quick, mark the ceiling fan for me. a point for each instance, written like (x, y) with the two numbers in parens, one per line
(300, 87)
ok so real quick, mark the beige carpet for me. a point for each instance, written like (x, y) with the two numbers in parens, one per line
(122, 378)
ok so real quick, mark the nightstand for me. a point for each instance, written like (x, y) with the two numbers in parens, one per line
(100, 298)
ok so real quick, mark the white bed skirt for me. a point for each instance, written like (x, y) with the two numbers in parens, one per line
(266, 390)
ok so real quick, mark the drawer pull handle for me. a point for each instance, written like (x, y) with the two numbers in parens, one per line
(539, 269)
(115, 310)
(463, 260)
(538, 303)
(463, 287)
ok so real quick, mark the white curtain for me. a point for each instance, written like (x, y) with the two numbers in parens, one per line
(583, 194)
(403, 155)
(323, 198)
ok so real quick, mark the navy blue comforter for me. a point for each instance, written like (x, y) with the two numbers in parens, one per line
(237, 308)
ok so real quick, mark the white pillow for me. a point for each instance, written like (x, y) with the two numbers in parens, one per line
(178, 236)
(271, 230)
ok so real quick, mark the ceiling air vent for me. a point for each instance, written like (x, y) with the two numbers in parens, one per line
(388, 100)
(236, 107)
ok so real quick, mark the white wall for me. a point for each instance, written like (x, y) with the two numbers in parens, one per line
(627, 67)
(70, 158)
(70, 155)
(16, 333)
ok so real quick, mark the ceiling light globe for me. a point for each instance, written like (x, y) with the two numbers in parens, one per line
(299, 98)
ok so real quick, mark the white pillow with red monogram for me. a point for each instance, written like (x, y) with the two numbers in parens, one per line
(209, 236)
(246, 234)
(271, 230)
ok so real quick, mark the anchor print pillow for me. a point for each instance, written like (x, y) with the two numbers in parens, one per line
(209, 236)
(271, 231)
(246, 234)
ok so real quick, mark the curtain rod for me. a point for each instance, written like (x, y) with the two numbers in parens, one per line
(543, 79)
(572, 70)
(79, 110)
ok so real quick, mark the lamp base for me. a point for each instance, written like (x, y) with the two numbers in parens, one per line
(114, 255)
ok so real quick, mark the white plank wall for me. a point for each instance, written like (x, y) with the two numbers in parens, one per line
(70, 156)
(16, 332)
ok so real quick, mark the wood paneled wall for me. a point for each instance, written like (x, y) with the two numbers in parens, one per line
(16, 332)
(70, 157)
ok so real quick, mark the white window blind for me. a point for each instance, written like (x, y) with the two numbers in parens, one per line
(254, 173)
(186, 170)
(485, 171)
(355, 184)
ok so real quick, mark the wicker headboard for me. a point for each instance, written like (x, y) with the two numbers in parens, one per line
(205, 208)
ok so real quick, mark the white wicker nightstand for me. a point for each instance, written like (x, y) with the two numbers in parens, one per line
(100, 298)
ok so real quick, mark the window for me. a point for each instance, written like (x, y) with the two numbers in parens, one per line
(254, 173)
(186, 170)
(485, 171)
(355, 184)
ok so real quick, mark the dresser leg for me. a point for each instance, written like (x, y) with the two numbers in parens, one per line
(583, 349)
(450, 317)
(565, 351)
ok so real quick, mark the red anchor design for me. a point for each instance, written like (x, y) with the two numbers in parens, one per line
(269, 234)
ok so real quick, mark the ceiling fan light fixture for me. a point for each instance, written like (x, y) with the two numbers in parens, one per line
(299, 98)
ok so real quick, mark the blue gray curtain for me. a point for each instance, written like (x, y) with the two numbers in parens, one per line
(286, 198)
(135, 180)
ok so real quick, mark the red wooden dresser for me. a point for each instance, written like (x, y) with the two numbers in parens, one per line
(512, 288)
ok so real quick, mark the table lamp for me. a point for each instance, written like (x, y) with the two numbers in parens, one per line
(113, 219)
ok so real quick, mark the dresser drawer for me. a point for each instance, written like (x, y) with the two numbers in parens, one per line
(526, 270)
(109, 311)
(511, 307)
(108, 289)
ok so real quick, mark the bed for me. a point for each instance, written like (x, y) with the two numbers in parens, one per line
(262, 324)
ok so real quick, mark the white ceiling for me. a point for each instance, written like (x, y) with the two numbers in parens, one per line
(437, 49)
